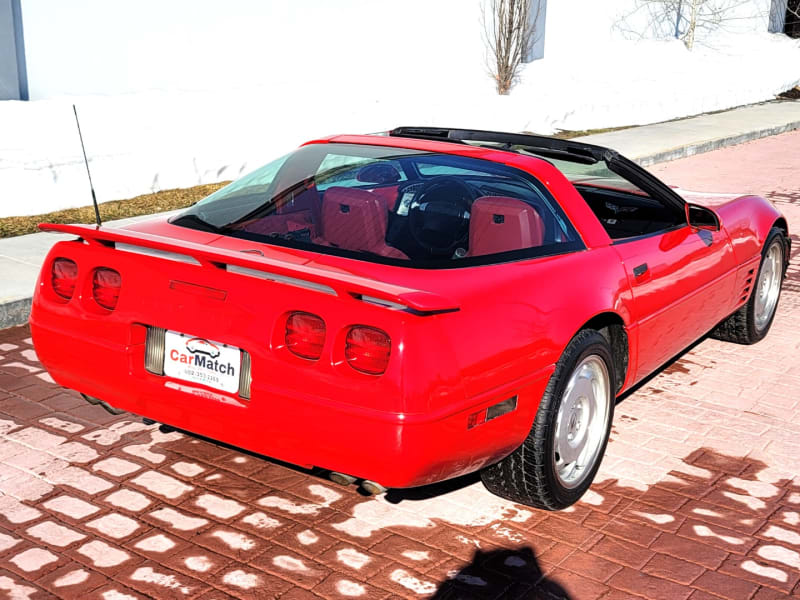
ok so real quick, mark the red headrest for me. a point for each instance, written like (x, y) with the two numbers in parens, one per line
(500, 224)
(353, 219)
(305, 198)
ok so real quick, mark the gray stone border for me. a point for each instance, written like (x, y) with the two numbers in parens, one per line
(15, 312)
(715, 144)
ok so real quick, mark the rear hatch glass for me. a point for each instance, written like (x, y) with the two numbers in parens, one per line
(391, 205)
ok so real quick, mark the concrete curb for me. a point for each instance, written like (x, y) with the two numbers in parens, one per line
(714, 144)
(15, 312)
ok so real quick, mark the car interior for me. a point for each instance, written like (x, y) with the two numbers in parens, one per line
(427, 207)
(381, 212)
(624, 209)
(627, 214)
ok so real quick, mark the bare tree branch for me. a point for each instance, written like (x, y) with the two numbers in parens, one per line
(687, 20)
(509, 34)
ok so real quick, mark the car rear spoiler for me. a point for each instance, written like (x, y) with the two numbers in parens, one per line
(414, 301)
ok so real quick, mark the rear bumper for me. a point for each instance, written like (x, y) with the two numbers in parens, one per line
(395, 449)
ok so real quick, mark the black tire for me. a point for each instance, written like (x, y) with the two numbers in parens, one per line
(741, 327)
(528, 475)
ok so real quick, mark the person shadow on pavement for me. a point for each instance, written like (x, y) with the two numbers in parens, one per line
(489, 572)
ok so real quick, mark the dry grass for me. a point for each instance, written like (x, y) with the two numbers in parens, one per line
(566, 134)
(792, 94)
(117, 209)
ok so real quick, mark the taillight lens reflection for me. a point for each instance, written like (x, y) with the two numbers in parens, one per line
(106, 284)
(64, 277)
(305, 335)
(367, 349)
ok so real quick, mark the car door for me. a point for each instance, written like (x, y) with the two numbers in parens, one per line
(682, 282)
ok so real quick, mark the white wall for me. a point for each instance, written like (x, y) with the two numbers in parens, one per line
(112, 47)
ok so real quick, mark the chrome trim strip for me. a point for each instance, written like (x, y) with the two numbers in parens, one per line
(309, 285)
(154, 350)
(245, 378)
(381, 302)
(175, 256)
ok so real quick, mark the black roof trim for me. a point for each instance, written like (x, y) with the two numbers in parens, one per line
(578, 150)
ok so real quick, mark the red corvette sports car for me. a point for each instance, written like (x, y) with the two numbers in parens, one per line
(405, 308)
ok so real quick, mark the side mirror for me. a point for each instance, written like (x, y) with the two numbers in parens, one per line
(701, 217)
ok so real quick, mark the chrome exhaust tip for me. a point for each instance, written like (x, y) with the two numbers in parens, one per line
(372, 488)
(341, 478)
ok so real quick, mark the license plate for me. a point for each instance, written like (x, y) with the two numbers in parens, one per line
(201, 360)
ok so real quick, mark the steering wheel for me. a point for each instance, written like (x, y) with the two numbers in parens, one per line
(439, 217)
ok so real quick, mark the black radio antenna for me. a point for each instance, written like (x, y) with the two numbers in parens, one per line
(86, 162)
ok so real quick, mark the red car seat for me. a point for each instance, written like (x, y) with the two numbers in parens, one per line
(283, 223)
(355, 219)
(306, 198)
(388, 196)
(499, 224)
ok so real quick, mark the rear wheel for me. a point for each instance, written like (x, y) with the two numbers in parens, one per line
(752, 321)
(557, 462)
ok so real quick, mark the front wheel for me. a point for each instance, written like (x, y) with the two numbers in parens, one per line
(557, 462)
(752, 321)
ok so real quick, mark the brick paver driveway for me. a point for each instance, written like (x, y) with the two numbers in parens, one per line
(697, 498)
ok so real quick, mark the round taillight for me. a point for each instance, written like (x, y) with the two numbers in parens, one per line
(305, 335)
(367, 349)
(106, 284)
(64, 277)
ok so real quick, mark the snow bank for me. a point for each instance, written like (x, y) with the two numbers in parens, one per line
(138, 143)
(648, 81)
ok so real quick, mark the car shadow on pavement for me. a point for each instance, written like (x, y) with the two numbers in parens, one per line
(792, 282)
(426, 492)
(714, 523)
(494, 570)
(671, 366)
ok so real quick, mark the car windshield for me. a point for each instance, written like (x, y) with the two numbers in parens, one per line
(392, 205)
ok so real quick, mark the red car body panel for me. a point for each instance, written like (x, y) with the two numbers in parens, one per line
(747, 220)
(471, 337)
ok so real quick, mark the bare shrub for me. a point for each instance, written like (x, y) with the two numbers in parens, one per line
(509, 33)
(682, 19)
(792, 24)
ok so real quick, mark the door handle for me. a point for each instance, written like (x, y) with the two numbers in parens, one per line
(640, 270)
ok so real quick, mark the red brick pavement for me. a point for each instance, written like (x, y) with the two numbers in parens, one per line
(697, 498)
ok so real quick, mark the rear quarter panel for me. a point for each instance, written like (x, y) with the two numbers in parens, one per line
(524, 314)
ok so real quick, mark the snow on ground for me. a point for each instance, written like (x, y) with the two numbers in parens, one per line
(138, 143)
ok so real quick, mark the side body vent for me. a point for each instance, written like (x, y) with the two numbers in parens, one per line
(747, 285)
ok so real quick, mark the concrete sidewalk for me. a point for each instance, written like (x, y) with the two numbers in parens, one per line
(671, 140)
(21, 257)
